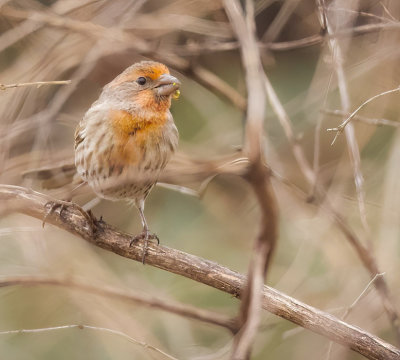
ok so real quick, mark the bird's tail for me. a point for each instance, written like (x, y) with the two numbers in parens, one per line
(180, 171)
(54, 176)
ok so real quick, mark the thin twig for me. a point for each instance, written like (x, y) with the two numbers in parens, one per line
(341, 127)
(352, 145)
(88, 327)
(353, 305)
(363, 293)
(204, 77)
(363, 119)
(180, 309)
(280, 20)
(38, 84)
(363, 13)
(286, 124)
(386, 10)
(32, 203)
(317, 143)
(52, 19)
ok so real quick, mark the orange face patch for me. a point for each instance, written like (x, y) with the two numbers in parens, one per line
(146, 100)
(153, 72)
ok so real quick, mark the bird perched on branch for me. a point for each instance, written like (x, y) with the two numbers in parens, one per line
(127, 136)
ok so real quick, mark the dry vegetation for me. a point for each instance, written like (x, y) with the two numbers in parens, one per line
(257, 174)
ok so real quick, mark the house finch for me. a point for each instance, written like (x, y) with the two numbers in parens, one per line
(127, 136)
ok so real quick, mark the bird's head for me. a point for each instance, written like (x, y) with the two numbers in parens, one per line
(147, 85)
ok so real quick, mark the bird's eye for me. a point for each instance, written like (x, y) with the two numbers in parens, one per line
(141, 80)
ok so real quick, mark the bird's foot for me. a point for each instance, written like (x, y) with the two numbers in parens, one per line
(52, 206)
(145, 235)
(101, 220)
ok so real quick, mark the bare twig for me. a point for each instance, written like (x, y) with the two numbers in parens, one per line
(317, 144)
(364, 119)
(204, 77)
(38, 84)
(14, 198)
(89, 327)
(363, 13)
(353, 305)
(386, 10)
(369, 262)
(342, 126)
(21, 30)
(363, 293)
(285, 122)
(353, 149)
(52, 19)
(319, 38)
(215, 46)
(180, 309)
(280, 20)
(294, 44)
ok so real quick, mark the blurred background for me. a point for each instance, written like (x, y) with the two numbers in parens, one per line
(92, 41)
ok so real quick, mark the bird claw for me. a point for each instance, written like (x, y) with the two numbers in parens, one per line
(52, 206)
(101, 220)
(145, 235)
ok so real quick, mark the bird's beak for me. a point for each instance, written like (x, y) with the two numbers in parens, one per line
(166, 85)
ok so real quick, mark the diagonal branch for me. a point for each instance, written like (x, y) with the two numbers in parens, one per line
(14, 198)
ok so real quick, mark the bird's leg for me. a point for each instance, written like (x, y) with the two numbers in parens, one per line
(145, 235)
(52, 206)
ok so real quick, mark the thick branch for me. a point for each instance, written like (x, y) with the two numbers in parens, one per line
(207, 272)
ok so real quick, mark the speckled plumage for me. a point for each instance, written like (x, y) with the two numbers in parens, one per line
(128, 135)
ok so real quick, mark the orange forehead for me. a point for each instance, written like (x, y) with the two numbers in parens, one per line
(153, 72)
(149, 69)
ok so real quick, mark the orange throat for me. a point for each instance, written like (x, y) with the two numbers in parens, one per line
(132, 134)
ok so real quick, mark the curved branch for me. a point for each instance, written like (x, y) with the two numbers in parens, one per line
(32, 203)
(173, 307)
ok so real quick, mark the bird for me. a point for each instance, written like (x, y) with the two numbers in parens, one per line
(127, 136)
